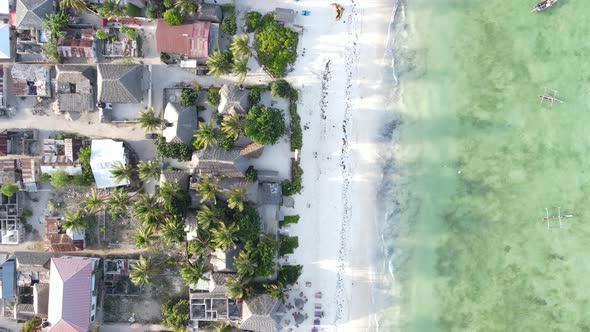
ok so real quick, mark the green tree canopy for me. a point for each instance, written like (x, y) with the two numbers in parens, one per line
(192, 273)
(239, 47)
(74, 220)
(224, 237)
(122, 172)
(77, 5)
(110, 9)
(32, 325)
(94, 201)
(148, 170)
(176, 314)
(142, 271)
(189, 97)
(206, 136)
(148, 119)
(264, 125)
(9, 189)
(173, 17)
(276, 46)
(144, 237)
(208, 189)
(236, 198)
(231, 126)
(220, 63)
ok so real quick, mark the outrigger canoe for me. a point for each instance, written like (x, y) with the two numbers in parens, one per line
(545, 4)
(339, 11)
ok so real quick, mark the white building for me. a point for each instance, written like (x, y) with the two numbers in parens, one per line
(104, 155)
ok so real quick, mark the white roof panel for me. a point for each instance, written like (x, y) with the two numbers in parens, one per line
(104, 154)
(4, 41)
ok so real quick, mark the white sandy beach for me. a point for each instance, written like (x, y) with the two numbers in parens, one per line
(342, 108)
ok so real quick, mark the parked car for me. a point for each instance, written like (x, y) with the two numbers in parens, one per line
(151, 136)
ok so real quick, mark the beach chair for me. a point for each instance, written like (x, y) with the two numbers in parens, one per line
(317, 306)
(318, 314)
(316, 321)
(318, 295)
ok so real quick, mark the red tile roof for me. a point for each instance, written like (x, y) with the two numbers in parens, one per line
(190, 39)
(70, 294)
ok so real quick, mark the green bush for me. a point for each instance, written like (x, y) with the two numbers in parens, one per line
(173, 17)
(132, 10)
(251, 174)
(87, 177)
(101, 35)
(289, 220)
(214, 98)
(8, 189)
(295, 125)
(264, 254)
(176, 314)
(152, 12)
(264, 125)
(228, 24)
(288, 274)
(61, 179)
(294, 186)
(276, 46)
(280, 88)
(188, 97)
(254, 95)
(178, 151)
(129, 32)
(288, 245)
(252, 21)
(226, 143)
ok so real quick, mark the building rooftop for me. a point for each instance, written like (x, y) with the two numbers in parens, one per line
(257, 314)
(104, 154)
(75, 88)
(209, 12)
(182, 123)
(233, 98)
(77, 44)
(4, 40)
(30, 13)
(214, 161)
(120, 84)
(190, 39)
(284, 15)
(31, 80)
(213, 307)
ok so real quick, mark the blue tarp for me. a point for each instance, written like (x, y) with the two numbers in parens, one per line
(8, 278)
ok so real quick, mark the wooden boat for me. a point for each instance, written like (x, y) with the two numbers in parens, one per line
(551, 99)
(545, 4)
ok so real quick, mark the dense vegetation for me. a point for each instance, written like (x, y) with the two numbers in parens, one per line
(264, 125)
(228, 24)
(176, 315)
(8, 189)
(177, 151)
(252, 21)
(294, 186)
(289, 220)
(173, 17)
(276, 46)
(189, 97)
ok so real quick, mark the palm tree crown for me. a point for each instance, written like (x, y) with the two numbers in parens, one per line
(224, 237)
(144, 237)
(141, 271)
(231, 125)
(77, 5)
(148, 170)
(148, 120)
(245, 264)
(207, 217)
(206, 136)
(187, 6)
(122, 172)
(220, 63)
(74, 221)
(173, 230)
(148, 209)
(94, 201)
(239, 47)
(207, 189)
(240, 69)
(119, 202)
(235, 287)
(193, 273)
(236, 198)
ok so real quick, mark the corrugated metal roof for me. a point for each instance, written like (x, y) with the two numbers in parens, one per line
(104, 154)
(190, 39)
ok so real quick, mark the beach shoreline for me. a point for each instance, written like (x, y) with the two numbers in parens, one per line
(343, 108)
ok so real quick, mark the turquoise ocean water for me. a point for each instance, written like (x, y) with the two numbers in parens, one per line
(478, 161)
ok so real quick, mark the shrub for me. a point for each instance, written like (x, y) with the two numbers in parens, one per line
(264, 125)
(152, 12)
(176, 314)
(84, 157)
(226, 143)
(294, 186)
(8, 189)
(280, 88)
(251, 174)
(254, 95)
(132, 10)
(288, 274)
(61, 179)
(173, 17)
(276, 46)
(228, 24)
(289, 220)
(101, 35)
(129, 32)
(178, 151)
(252, 21)
(295, 125)
(188, 97)
(214, 98)
(288, 245)
(249, 223)
(264, 254)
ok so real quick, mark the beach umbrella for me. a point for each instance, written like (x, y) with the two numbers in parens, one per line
(299, 303)
(298, 317)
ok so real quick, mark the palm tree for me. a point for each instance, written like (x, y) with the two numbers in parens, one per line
(224, 237)
(236, 287)
(236, 198)
(94, 201)
(77, 5)
(148, 209)
(240, 69)
(245, 264)
(220, 63)
(239, 47)
(231, 125)
(119, 202)
(207, 190)
(192, 273)
(206, 136)
(187, 6)
(206, 217)
(173, 230)
(148, 170)
(141, 271)
(275, 290)
(148, 120)
(74, 221)
(144, 237)
(174, 199)
(122, 172)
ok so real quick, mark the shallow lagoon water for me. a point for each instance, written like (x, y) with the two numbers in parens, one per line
(481, 159)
